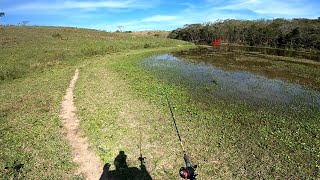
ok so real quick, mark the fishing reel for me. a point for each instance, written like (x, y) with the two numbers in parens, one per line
(188, 172)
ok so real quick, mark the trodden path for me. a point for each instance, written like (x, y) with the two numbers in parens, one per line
(88, 161)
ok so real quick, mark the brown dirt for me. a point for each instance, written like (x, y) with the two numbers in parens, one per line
(88, 161)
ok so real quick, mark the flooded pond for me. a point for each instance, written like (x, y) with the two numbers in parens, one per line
(211, 76)
(271, 51)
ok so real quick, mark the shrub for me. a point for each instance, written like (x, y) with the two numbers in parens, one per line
(147, 45)
(57, 35)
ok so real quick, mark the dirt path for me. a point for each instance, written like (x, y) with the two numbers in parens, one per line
(88, 161)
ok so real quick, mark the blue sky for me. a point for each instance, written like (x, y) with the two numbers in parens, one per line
(138, 15)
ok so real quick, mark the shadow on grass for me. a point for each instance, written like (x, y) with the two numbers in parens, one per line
(123, 172)
(13, 171)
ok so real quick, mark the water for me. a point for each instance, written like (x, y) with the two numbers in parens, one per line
(209, 83)
(272, 51)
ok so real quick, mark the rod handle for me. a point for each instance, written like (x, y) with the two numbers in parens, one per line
(187, 160)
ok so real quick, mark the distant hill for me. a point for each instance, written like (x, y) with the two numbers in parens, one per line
(25, 48)
(156, 33)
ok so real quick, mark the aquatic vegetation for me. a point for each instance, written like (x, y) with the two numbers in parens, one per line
(257, 126)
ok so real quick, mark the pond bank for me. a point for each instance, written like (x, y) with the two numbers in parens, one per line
(247, 141)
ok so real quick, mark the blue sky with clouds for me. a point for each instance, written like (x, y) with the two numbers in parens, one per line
(137, 15)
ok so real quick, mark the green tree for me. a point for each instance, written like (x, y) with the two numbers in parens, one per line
(2, 14)
(299, 33)
(23, 23)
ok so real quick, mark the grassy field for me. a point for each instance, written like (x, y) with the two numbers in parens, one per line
(26, 49)
(161, 34)
(122, 107)
(37, 64)
(226, 140)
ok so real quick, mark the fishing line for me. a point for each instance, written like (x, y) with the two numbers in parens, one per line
(175, 124)
(187, 172)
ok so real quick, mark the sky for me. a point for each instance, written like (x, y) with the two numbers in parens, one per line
(136, 15)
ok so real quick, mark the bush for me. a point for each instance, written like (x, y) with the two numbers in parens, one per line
(57, 35)
(147, 45)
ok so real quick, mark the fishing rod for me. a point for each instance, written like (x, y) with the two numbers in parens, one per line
(187, 172)
(141, 158)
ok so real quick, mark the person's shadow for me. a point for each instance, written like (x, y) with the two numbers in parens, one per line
(123, 172)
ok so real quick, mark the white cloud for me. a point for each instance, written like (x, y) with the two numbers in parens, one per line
(270, 7)
(193, 14)
(83, 12)
(167, 22)
(62, 5)
(159, 18)
(156, 22)
(102, 4)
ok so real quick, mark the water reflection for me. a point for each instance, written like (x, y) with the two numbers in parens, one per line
(272, 51)
(297, 71)
(209, 83)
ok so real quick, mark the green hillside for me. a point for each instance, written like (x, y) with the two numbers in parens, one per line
(36, 66)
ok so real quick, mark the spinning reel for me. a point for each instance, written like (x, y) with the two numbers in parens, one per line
(188, 172)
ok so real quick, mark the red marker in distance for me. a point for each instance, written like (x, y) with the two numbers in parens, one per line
(217, 42)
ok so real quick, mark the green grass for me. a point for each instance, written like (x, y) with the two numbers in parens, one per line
(30, 126)
(37, 64)
(27, 49)
(227, 140)
(122, 107)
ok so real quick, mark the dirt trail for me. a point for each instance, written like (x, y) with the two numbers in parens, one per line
(88, 161)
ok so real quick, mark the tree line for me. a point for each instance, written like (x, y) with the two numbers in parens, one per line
(278, 33)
